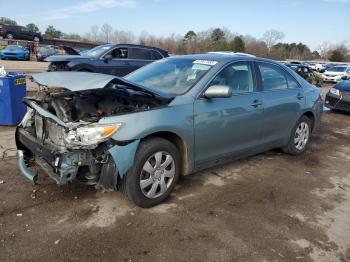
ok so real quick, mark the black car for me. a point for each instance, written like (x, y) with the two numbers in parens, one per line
(19, 32)
(44, 52)
(115, 59)
(338, 97)
(307, 73)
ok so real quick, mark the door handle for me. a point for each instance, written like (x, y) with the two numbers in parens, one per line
(300, 96)
(257, 103)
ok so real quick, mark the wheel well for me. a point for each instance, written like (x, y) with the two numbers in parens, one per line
(311, 116)
(180, 144)
(84, 70)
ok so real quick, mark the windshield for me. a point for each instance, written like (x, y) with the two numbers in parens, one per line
(172, 76)
(337, 69)
(97, 51)
(15, 47)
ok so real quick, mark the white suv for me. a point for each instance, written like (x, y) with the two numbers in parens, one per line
(335, 73)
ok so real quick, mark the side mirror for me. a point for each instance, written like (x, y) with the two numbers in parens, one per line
(108, 58)
(344, 78)
(218, 91)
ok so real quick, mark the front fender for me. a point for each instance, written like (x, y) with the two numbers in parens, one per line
(176, 119)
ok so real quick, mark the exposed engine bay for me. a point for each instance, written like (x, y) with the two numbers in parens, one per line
(92, 105)
(61, 132)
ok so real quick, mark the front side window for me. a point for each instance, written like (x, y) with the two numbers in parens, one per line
(121, 53)
(156, 55)
(238, 77)
(172, 75)
(273, 78)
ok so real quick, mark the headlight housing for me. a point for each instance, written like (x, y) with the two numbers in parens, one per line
(334, 91)
(91, 134)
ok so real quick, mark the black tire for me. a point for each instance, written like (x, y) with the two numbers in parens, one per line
(130, 184)
(291, 147)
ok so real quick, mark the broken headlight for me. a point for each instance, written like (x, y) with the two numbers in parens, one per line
(92, 134)
(334, 91)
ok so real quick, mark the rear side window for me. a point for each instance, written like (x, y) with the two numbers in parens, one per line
(238, 77)
(156, 55)
(139, 53)
(292, 83)
(273, 78)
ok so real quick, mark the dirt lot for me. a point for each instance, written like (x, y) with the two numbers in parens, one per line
(270, 207)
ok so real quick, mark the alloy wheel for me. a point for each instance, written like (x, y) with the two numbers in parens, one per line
(157, 174)
(302, 134)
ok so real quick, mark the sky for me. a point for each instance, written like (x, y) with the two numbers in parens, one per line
(309, 21)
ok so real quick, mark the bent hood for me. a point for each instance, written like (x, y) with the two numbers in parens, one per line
(64, 58)
(80, 81)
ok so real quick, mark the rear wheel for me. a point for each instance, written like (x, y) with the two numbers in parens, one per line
(154, 174)
(300, 137)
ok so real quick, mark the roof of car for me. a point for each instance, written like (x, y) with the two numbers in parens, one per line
(223, 57)
(140, 46)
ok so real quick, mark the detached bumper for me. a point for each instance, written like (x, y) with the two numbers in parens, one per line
(60, 166)
(24, 170)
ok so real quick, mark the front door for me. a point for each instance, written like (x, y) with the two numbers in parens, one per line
(225, 127)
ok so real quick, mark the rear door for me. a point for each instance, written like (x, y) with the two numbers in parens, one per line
(139, 57)
(284, 99)
(225, 127)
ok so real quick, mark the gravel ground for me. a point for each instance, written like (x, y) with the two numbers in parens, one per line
(269, 207)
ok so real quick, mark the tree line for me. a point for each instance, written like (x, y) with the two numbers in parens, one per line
(270, 45)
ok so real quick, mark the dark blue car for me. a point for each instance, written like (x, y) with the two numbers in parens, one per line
(338, 97)
(114, 59)
(15, 52)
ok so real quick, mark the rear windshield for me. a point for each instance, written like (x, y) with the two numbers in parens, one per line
(338, 69)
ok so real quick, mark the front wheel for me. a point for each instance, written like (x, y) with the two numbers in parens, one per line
(300, 137)
(154, 174)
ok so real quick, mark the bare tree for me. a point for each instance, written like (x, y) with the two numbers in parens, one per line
(106, 29)
(94, 32)
(124, 37)
(271, 37)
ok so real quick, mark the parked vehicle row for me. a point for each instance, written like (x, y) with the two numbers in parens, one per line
(307, 73)
(172, 117)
